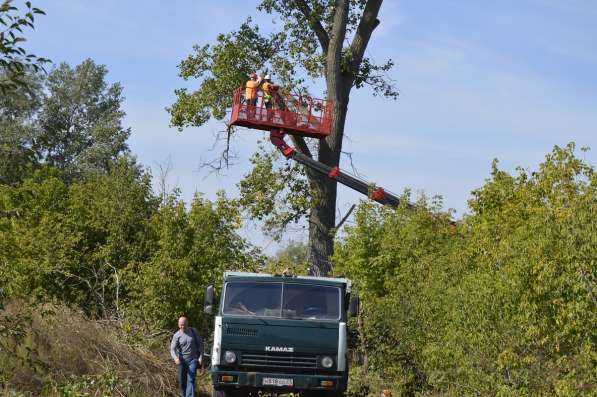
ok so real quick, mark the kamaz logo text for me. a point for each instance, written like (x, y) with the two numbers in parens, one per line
(282, 349)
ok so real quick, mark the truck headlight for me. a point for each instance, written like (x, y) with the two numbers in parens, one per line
(327, 362)
(229, 357)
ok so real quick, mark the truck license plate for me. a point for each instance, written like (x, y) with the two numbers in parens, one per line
(277, 382)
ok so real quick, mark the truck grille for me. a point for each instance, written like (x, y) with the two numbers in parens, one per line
(237, 331)
(279, 360)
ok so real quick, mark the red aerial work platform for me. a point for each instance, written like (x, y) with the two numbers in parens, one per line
(306, 116)
(301, 115)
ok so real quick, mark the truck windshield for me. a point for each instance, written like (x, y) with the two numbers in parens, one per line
(282, 300)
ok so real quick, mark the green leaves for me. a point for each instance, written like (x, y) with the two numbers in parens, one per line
(192, 250)
(275, 191)
(106, 244)
(79, 222)
(502, 304)
(69, 241)
(376, 77)
(15, 61)
(70, 120)
(220, 68)
(81, 120)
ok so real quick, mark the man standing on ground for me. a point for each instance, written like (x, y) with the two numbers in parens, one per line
(186, 350)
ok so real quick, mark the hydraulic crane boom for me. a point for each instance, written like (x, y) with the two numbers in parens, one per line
(308, 117)
(303, 116)
(377, 193)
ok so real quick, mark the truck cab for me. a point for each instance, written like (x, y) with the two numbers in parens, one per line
(280, 334)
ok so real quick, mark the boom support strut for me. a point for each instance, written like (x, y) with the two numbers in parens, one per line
(374, 193)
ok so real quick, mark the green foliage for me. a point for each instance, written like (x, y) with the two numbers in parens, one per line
(81, 226)
(71, 241)
(275, 192)
(502, 304)
(296, 53)
(15, 61)
(70, 120)
(294, 252)
(194, 248)
(292, 259)
(18, 125)
(79, 222)
(103, 385)
(301, 54)
(105, 244)
(81, 120)
(222, 68)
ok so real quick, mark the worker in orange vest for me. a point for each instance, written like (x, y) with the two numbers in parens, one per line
(251, 89)
(268, 89)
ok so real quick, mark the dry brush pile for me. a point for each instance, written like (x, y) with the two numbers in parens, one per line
(55, 351)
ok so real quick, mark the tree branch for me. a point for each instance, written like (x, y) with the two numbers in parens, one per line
(301, 145)
(345, 217)
(354, 169)
(221, 162)
(337, 35)
(315, 23)
(361, 38)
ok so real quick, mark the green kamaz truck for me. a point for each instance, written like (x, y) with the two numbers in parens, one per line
(280, 334)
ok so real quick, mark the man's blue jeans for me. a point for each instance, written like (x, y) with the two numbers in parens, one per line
(187, 371)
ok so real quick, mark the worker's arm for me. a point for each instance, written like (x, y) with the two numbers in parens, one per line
(173, 349)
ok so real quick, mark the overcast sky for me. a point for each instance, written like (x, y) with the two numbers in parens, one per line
(478, 80)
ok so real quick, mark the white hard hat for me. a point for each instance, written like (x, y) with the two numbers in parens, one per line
(267, 77)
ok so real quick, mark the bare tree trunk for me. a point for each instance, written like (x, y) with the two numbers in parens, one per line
(321, 222)
(322, 218)
(339, 81)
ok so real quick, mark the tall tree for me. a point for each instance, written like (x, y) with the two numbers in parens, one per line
(316, 40)
(81, 120)
(70, 119)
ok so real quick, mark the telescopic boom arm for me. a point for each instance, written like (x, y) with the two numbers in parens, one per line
(374, 193)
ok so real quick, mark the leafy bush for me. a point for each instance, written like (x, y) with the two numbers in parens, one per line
(501, 304)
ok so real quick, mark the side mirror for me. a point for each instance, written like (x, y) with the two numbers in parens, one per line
(208, 303)
(353, 307)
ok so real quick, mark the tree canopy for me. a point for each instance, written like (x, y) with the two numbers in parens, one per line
(503, 304)
(80, 222)
(310, 43)
(70, 120)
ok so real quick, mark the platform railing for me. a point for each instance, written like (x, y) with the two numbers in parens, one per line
(295, 114)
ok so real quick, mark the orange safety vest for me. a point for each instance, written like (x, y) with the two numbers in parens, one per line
(251, 90)
(267, 90)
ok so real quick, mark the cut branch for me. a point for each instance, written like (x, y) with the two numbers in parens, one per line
(221, 162)
(354, 169)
